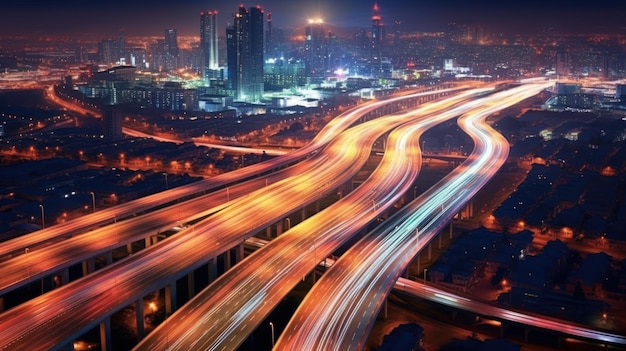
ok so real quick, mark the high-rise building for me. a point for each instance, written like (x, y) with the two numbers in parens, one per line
(316, 48)
(378, 31)
(244, 42)
(562, 64)
(112, 118)
(208, 39)
(170, 50)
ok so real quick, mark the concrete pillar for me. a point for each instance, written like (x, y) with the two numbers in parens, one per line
(65, 276)
(105, 335)
(170, 298)
(268, 231)
(430, 251)
(303, 213)
(89, 266)
(1, 304)
(139, 317)
(212, 270)
(191, 284)
(148, 241)
(227, 260)
(279, 227)
(129, 248)
(239, 252)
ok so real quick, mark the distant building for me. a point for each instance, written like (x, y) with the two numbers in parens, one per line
(378, 32)
(244, 41)
(562, 64)
(112, 118)
(620, 92)
(208, 41)
(316, 48)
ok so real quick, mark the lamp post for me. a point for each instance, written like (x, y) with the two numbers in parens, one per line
(43, 222)
(93, 201)
(272, 326)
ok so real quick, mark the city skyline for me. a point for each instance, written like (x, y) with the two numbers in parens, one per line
(150, 18)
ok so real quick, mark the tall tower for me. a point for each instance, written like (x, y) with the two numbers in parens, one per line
(315, 48)
(208, 39)
(244, 41)
(171, 49)
(378, 31)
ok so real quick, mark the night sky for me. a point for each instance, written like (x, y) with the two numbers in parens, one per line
(151, 17)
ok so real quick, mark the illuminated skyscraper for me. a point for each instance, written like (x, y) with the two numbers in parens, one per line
(244, 42)
(208, 39)
(171, 50)
(378, 31)
(315, 48)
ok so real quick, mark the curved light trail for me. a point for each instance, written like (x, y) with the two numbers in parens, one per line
(53, 314)
(339, 311)
(146, 203)
(224, 314)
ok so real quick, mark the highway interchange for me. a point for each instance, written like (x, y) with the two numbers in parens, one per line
(221, 316)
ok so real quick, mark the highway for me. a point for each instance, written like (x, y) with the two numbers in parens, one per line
(174, 195)
(144, 272)
(339, 311)
(224, 314)
(562, 327)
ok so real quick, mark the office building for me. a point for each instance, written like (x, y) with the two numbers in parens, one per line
(208, 39)
(244, 42)
(112, 118)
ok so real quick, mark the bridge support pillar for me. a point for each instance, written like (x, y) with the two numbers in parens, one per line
(239, 252)
(108, 256)
(212, 270)
(139, 317)
(279, 228)
(89, 266)
(227, 260)
(430, 251)
(191, 284)
(303, 213)
(105, 335)
(268, 231)
(65, 276)
(170, 298)
(129, 248)
(148, 241)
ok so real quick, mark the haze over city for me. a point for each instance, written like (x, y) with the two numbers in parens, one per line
(319, 175)
(149, 17)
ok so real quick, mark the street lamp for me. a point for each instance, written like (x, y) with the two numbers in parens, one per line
(272, 326)
(43, 222)
(93, 201)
